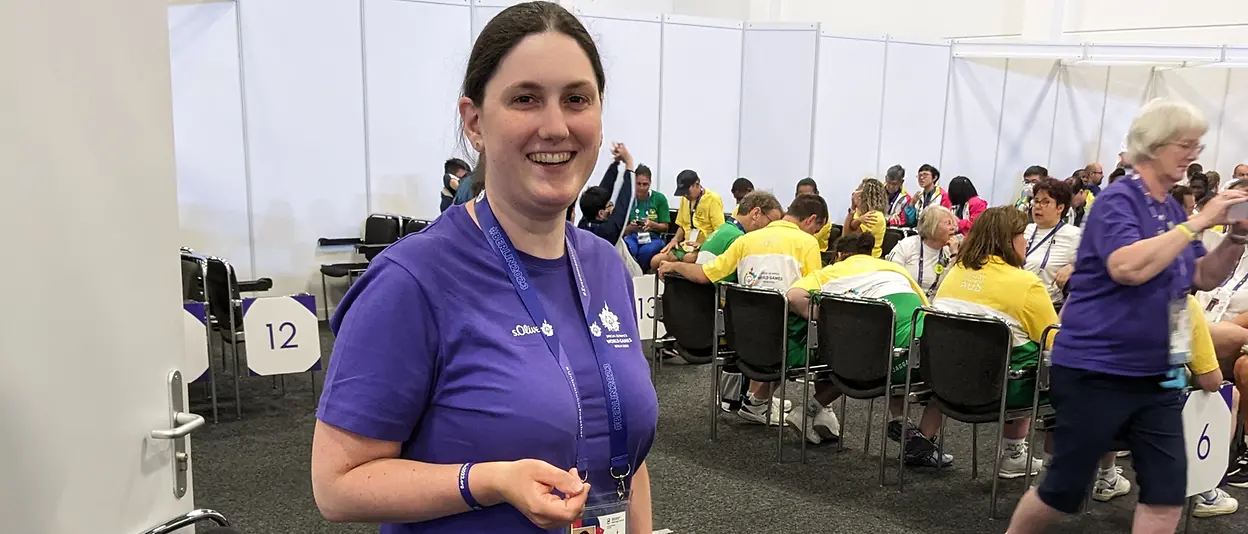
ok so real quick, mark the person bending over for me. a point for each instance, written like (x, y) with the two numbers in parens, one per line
(700, 213)
(649, 220)
(755, 211)
(857, 272)
(774, 257)
(598, 214)
(988, 279)
(866, 213)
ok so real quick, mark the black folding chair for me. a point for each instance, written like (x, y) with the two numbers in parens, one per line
(194, 274)
(854, 337)
(380, 231)
(829, 256)
(891, 237)
(225, 315)
(762, 355)
(687, 311)
(412, 226)
(965, 361)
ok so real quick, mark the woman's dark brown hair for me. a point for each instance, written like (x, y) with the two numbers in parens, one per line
(993, 235)
(503, 33)
(1057, 190)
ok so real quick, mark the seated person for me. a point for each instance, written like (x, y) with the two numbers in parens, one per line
(452, 171)
(650, 218)
(1051, 241)
(757, 210)
(701, 212)
(988, 279)
(900, 212)
(740, 187)
(773, 257)
(926, 256)
(859, 273)
(931, 193)
(807, 186)
(598, 214)
(866, 213)
(966, 202)
(1081, 199)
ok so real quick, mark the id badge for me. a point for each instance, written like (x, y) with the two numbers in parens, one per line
(608, 516)
(643, 238)
(1219, 300)
(1180, 333)
(693, 236)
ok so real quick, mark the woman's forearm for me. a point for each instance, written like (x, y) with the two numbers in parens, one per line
(1220, 263)
(392, 490)
(1139, 262)
(799, 301)
(641, 515)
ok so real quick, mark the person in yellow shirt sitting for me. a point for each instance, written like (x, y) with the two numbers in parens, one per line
(807, 186)
(701, 212)
(740, 187)
(774, 257)
(866, 213)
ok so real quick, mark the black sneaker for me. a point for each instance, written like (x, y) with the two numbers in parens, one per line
(894, 430)
(1237, 474)
(921, 452)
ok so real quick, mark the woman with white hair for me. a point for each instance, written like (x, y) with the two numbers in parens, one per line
(926, 255)
(1118, 362)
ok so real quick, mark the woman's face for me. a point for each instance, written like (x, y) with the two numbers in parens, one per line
(926, 179)
(1045, 210)
(1175, 157)
(540, 123)
(1020, 245)
(945, 230)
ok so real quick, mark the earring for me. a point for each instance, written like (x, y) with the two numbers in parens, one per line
(476, 146)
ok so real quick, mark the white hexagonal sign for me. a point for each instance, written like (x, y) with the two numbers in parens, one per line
(282, 334)
(1207, 433)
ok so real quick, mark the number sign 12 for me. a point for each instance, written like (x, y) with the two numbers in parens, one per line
(289, 343)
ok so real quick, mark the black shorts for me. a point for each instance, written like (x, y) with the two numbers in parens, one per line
(1092, 410)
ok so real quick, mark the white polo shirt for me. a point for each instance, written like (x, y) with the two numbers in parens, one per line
(1048, 251)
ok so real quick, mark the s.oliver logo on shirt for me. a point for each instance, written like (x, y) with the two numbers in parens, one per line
(525, 329)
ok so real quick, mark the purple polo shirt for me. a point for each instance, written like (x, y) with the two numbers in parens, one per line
(436, 350)
(1109, 327)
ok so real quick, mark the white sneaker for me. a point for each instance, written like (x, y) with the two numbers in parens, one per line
(827, 425)
(1014, 462)
(755, 411)
(794, 419)
(1109, 486)
(1219, 504)
(775, 404)
(1122, 454)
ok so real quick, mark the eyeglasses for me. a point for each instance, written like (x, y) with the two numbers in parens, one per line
(1190, 147)
(925, 174)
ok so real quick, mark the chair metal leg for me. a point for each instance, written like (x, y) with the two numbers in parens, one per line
(715, 394)
(805, 416)
(840, 443)
(783, 388)
(866, 444)
(996, 470)
(974, 445)
(238, 398)
(325, 293)
(883, 440)
(282, 380)
(940, 445)
(212, 382)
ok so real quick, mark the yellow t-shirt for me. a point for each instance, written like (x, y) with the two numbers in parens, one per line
(1001, 290)
(870, 277)
(773, 257)
(736, 213)
(823, 235)
(873, 222)
(1204, 360)
(709, 216)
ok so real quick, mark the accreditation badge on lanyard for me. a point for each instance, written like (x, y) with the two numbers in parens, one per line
(1180, 346)
(607, 512)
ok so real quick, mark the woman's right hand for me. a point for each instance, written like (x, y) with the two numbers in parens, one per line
(1215, 211)
(528, 486)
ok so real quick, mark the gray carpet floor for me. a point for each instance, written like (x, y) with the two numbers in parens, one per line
(255, 470)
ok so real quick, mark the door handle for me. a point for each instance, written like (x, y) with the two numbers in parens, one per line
(187, 423)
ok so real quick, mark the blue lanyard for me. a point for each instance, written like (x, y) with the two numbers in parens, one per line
(895, 203)
(939, 261)
(645, 211)
(1050, 237)
(1180, 287)
(618, 425)
(1241, 280)
(738, 224)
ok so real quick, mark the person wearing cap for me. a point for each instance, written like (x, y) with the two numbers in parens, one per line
(701, 212)
(900, 212)
(741, 187)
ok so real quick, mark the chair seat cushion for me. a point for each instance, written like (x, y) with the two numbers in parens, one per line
(339, 270)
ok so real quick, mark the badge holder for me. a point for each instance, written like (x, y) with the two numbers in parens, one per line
(605, 513)
(643, 238)
(1218, 303)
(1180, 345)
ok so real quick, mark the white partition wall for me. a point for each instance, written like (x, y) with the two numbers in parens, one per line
(208, 132)
(631, 50)
(778, 92)
(1207, 90)
(484, 10)
(1027, 134)
(303, 90)
(1233, 138)
(1126, 89)
(1077, 119)
(973, 123)
(411, 99)
(701, 97)
(848, 111)
(915, 83)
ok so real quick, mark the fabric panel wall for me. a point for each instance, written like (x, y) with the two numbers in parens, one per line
(485, 10)
(847, 118)
(1233, 139)
(777, 89)
(701, 95)
(1026, 127)
(631, 53)
(303, 88)
(915, 85)
(1077, 122)
(1207, 90)
(208, 132)
(973, 123)
(1127, 89)
(413, 119)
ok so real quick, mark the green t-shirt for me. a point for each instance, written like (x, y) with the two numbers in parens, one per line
(654, 207)
(717, 244)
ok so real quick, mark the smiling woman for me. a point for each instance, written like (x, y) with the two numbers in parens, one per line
(481, 378)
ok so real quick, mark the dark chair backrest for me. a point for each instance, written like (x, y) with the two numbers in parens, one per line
(757, 324)
(855, 338)
(891, 237)
(222, 288)
(381, 229)
(689, 312)
(835, 234)
(963, 357)
(414, 225)
(192, 279)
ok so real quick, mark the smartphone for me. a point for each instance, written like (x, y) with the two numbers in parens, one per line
(1238, 212)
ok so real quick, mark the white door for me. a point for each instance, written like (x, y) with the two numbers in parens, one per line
(90, 323)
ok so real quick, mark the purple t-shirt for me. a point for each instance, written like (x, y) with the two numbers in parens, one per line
(436, 350)
(1113, 328)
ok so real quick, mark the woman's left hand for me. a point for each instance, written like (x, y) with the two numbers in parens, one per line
(1063, 275)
